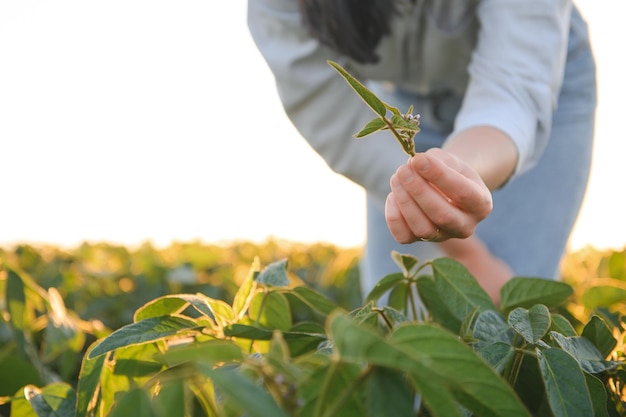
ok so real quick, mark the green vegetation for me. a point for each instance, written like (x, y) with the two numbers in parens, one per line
(280, 329)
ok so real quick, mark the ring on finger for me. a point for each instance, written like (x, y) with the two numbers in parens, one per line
(432, 238)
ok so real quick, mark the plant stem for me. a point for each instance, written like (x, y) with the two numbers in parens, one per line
(408, 149)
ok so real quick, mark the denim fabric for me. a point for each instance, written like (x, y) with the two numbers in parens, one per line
(534, 214)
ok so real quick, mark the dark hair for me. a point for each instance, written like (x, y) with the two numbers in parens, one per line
(351, 27)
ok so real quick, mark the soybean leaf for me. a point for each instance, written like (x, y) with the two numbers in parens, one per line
(526, 292)
(457, 293)
(171, 398)
(247, 332)
(145, 331)
(137, 361)
(88, 382)
(439, 311)
(299, 339)
(135, 402)
(499, 355)
(490, 327)
(441, 366)
(562, 325)
(597, 332)
(611, 292)
(389, 394)
(396, 317)
(366, 95)
(16, 306)
(20, 405)
(531, 324)
(372, 126)
(212, 351)
(244, 394)
(341, 392)
(314, 300)
(398, 296)
(271, 310)
(275, 274)
(404, 124)
(246, 289)
(170, 304)
(597, 391)
(54, 400)
(565, 384)
(587, 355)
(222, 312)
(384, 285)
(405, 262)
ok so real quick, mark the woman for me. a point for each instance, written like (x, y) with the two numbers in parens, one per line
(506, 92)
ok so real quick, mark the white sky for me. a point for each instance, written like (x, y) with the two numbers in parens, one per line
(134, 120)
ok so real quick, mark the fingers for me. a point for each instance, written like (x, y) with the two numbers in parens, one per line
(436, 196)
(400, 229)
(456, 180)
(417, 212)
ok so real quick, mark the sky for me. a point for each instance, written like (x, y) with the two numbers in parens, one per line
(146, 120)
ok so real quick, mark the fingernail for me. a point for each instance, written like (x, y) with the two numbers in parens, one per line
(405, 174)
(421, 163)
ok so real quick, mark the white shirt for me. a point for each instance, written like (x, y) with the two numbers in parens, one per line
(505, 58)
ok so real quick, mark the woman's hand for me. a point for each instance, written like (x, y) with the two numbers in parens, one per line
(436, 196)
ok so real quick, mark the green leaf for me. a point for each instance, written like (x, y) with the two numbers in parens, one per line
(342, 392)
(298, 341)
(246, 290)
(170, 400)
(562, 325)
(314, 300)
(565, 384)
(134, 402)
(212, 351)
(490, 327)
(440, 365)
(88, 382)
(389, 394)
(403, 124)
(398, 296)
(587, 355)
(395, 316)
(222, 312)
(244, 394)
(526, 292)
(54, 400)
(499, 355)
(16, 306)
(271, 310)
(531, 324)
(372, 126)
(405, 262)
(138, 361)
(172, 304)
(15, 372)
(384, 285)
(597, 391)
(275, 274)
(457, 291)
(368, 97)
(598, 332)
(605, 295)
(439, 310)
(145, 331)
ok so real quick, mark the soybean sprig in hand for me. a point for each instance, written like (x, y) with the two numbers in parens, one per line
(404, 127)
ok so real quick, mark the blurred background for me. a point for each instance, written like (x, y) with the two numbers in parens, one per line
(147, 120)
